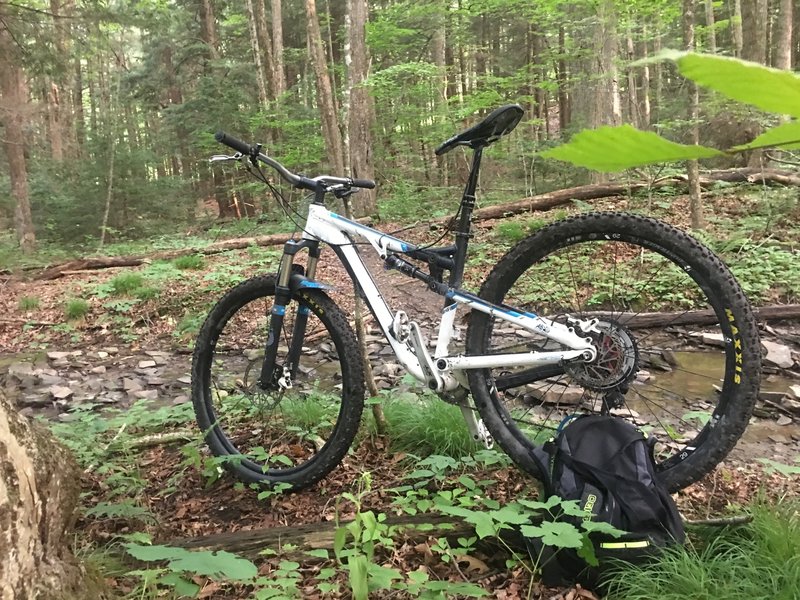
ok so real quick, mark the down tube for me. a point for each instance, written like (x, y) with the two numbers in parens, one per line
(359, 274)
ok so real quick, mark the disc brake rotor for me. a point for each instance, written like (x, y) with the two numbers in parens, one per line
(617, 359)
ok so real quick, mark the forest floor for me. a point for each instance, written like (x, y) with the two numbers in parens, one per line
(125, 349)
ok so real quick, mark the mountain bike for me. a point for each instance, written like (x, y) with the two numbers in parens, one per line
(605, 312)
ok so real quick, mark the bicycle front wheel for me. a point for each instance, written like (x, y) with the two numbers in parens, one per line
(298, 434)
(678, 347)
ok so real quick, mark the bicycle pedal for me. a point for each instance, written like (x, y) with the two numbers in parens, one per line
(417, 342)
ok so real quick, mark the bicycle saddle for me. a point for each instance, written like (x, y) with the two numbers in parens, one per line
(498, 123)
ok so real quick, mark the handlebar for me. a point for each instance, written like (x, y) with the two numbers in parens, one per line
(299, 181)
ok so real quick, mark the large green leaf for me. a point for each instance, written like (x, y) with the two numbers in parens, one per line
(217, 565)
(785, 136)
(624, 147)
(769, 89)
(558, 534)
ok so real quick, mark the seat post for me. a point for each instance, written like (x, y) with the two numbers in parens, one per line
(462, 231)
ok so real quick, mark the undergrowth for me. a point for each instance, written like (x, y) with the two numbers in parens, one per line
(760, 560)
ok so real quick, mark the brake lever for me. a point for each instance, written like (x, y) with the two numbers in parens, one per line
(224, 157)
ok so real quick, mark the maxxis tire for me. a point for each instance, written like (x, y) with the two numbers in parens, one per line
(742, 346)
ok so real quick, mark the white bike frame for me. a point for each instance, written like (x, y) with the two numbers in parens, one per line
(338, 232)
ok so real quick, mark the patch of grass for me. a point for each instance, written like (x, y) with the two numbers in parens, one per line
(146, 293)
(76, 308)
(757, 560)
(189, 262)
(426, 425)
(28, 303)
(126, 283)
(511, 231)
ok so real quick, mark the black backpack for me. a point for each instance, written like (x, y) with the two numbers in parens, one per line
(607, 465)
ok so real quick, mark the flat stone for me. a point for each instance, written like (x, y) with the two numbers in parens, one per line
(61, 362)
(60, 392)
(57, 355)
(669, 356)
(35, 400)
(110, 350)
(253, 353)
(155, 380)
(49, 378)
(779, 438)
(156, 353)
(775, 397)
(555, 394)
(21, 369)
(102, 354)
(181, 399)
(146, 394)
(792, 405)
(784, 420)
(794, 390)
(93, 384)
(131, 385)
(146, 364)
(185, 379)
(778, 354)
(98, 370)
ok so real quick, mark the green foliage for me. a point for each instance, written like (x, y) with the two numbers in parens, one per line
(756, 560)
(624, 147)
(189, 262)
(772, 466)
(76, 308)
(771, 90)
(426, 425)
(27, 303)
(126, 283)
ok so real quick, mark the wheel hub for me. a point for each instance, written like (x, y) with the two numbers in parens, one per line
(617, 359)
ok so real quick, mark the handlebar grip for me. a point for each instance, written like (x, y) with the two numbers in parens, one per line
(364, 183)
(232, 142)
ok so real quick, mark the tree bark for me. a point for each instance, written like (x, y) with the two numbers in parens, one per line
(711, 33)
(738, 34)
(14, 110)
(783, 36)
(39, 489)
(255, 45)
(754, 30)
(325, 100)
(279, 77)
(208, 28)
(360, 114)
(692, 167)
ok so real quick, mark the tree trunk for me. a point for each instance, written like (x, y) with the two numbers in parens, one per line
(754, 30)
(279, 77)
(710, 31)
(564, 113)
(39, 489)
(633, 96)
(330, 122)
(738, 34)
(255, 45)
(208, 28)
(361, 109)
(783, 36)
(692, 168)
(606, 108)
(14, 110)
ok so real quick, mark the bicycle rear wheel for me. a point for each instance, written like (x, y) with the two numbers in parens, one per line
(297, 435)
(678, 347)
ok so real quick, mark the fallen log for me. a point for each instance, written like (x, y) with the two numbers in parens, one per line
(105, 262)
(314, 536)
(691, 317)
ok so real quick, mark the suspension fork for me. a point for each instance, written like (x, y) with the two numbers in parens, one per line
(270, 378)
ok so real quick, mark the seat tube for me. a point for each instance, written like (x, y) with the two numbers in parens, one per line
(462, 231)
